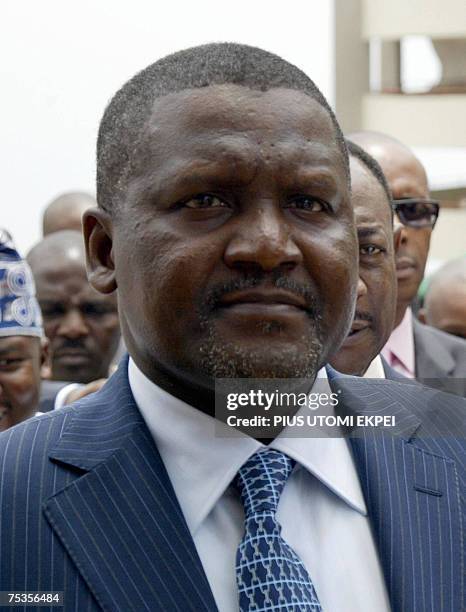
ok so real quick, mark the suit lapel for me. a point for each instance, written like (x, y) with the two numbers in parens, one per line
(119, 520)
(413, 501)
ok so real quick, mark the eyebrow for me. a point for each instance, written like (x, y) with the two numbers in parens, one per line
(368, 232)
(10, 348)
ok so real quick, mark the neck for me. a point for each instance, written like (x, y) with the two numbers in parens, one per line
(400, 313)
(196, 394)
(215, 401)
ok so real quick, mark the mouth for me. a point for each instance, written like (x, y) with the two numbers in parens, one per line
(405, 267)
(358, 331)
(263, 298)
(71, 355)
(263, 303)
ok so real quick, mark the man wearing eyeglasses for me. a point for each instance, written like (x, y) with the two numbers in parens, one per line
(413, 349)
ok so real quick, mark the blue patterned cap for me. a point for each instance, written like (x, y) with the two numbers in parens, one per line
(19, 310)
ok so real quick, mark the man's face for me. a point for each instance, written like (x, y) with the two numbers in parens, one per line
(81, 324)
(375, 306)
(20, 363)
(407, 179)
(235, 250)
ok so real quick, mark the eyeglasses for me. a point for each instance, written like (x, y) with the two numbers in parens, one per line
(416, 212)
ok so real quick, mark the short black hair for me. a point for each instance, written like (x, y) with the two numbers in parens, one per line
(372, 165)
(214, 64)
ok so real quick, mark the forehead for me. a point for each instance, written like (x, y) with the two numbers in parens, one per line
(368, 196)
(232, 120)
(66, 282)
(402, 170)
(54, 266)
(219, 106)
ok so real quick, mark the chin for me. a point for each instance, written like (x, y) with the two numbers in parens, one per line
(232, 361)
(347, 362)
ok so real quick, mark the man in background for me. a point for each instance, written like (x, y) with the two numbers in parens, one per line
(445, 299)
(81, 324)
(376, 302)
(65, 212)
(413, 349)
(22, 345)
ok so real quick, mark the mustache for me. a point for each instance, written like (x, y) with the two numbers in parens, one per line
(279, 281)
(359, 315)
(70, 343)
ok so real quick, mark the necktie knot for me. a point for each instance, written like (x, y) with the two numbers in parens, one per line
(261, 480)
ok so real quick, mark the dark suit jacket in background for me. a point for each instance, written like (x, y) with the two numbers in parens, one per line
(48, 392)
(440, 359)
(87, 506)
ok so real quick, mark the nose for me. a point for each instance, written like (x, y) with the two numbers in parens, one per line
(361, 289)
(402, 229)
(73, 325)
(263, 240)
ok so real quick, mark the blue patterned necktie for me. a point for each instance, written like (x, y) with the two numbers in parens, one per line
(270, 575)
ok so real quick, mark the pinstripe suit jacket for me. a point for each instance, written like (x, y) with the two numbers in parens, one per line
(87, 507)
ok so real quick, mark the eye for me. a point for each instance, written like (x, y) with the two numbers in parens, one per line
(52, 310)
(96, 310)
(307, 203)
(205, 200)
(370, 249)
(7, 363)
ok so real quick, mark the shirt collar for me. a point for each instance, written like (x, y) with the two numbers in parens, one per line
(375, 369)
(401, 343)
(201, 464)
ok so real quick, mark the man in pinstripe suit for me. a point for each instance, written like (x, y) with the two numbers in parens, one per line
(225, 223)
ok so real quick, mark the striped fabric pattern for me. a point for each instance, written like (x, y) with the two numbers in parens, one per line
(414, 486)
(88, 509)
(86, 505)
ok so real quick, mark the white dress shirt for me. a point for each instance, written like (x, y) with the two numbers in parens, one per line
(61, 396)
(375, 369)
(321, 510)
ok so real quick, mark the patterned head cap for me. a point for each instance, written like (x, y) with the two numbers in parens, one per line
(19, 310)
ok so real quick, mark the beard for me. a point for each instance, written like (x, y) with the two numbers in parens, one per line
(271, 357)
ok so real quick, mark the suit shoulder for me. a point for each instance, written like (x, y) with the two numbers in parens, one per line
(30, 439)
(408, 389)
(438, 412)
(452, 343)
(441, 414)
(421, 394)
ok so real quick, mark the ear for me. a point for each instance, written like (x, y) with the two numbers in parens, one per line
(45, 364)
(98, 238)
(421, 315)
(397, 238)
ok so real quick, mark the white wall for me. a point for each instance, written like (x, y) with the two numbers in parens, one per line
(61, 62)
